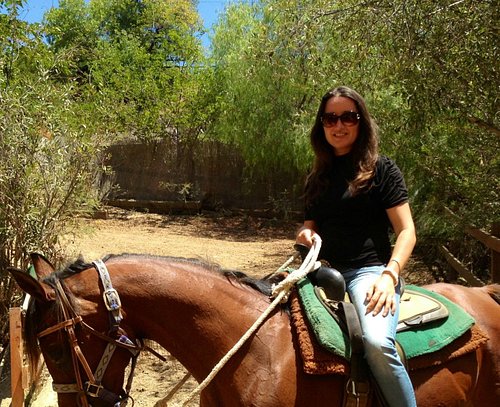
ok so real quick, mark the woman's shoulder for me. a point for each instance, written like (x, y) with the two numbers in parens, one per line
(386, 167)
(389, 183)
(384, 161)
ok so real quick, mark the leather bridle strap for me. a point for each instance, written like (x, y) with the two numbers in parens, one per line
(110, 296)
(95, 389)
(61, 325)
(76, 352)
(123, 342)
(92, 387)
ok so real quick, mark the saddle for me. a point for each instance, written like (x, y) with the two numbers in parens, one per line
(416, 308)
(324, 299)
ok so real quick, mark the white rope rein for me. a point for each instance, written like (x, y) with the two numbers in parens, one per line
(309, 264)
(280, 293)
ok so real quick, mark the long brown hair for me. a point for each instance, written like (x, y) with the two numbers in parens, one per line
(364, 150)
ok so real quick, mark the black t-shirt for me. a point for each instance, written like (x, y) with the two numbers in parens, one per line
(355, 230)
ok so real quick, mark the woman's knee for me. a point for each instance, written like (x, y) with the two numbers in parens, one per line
(379, 348)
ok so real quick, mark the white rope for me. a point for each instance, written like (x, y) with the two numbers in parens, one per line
(309, 264)
(279, 292)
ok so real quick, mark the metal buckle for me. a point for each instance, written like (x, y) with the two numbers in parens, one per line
(350, 387)
(92, 389)
(111, 299)
(357, 389)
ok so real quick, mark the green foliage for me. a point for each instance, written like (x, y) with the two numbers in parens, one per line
(48, 153)
(427, 70)
(48, 166)
(275, 59)
(47, 169)
(444, 64)
(139, 58)
(91, 73)
(260, 95)
(114, 69)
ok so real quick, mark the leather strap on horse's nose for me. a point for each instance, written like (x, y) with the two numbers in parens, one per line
(76, 352)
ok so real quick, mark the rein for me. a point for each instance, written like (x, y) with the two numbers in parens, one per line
(93, 387)
(280, 293)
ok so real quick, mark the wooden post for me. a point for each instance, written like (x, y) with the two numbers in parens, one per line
(16, 356)
(495, 255)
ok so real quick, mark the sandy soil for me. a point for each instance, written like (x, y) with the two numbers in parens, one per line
(252, 245)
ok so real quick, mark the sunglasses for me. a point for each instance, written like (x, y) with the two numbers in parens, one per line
(347, 118)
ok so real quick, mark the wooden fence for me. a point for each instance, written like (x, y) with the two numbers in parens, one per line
(20, 378)
(18, 371)
(491, 241)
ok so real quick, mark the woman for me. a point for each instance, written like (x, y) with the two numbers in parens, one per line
(353, 196)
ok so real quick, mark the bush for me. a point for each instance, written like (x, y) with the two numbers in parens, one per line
(47, 172)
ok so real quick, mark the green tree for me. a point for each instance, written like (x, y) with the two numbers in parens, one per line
(442, 57)
(428, 70)
(141, 60)
(49, 153)
(274, 59)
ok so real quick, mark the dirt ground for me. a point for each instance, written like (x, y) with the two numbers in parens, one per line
(255, 246)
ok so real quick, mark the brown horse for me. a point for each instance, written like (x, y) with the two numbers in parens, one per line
(198, 312)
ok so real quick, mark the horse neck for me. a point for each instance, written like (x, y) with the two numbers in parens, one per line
(194, 313)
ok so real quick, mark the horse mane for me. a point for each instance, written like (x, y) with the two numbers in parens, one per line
(261, 285)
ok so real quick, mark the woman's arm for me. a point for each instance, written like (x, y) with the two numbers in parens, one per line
(381, 294)
(402, 223)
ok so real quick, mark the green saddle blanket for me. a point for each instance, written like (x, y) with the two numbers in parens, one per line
(415, 341)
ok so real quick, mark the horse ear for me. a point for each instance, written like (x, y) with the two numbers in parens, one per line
(40, 291)
(42, 266)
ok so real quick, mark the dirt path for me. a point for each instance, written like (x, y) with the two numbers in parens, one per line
(254, 246)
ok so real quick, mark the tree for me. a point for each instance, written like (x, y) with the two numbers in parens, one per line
(443, 60)
(49, 149)
(428, 70)
(142, 61)
(274, 60)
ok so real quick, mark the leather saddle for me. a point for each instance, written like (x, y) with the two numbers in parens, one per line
(416, 309)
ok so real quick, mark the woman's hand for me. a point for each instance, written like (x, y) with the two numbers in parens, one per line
(306, 233)
(305, 237)
(380, 296)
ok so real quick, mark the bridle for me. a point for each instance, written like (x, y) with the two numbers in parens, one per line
(116, 337)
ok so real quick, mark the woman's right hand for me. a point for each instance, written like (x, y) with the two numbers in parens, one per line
(306, 233)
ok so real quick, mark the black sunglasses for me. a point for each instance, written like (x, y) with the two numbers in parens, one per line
(347, 118)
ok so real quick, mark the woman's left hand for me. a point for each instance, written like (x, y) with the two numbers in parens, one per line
(380, 296)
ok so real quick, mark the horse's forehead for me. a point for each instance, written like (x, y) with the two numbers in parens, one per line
(83, 282)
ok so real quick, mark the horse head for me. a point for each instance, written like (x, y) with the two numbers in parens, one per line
(86, 363)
